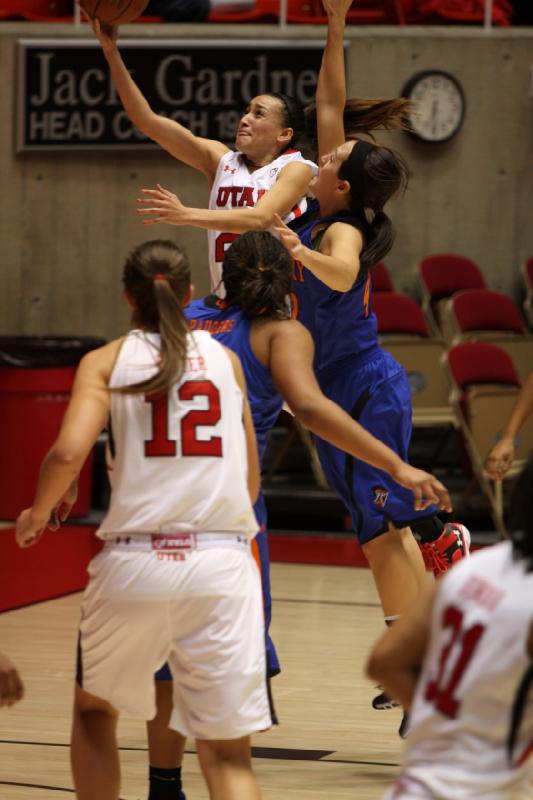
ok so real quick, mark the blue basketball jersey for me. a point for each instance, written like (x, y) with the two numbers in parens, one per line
(229, 325)
(342, 324)
(367, 383)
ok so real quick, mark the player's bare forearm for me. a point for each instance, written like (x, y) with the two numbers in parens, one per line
(197, 152)
(522, 409)
(331, 88)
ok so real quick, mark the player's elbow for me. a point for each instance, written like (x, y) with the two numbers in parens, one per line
(305, 408)
(67, 455)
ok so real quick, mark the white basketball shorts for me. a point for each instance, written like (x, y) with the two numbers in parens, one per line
(202, 613)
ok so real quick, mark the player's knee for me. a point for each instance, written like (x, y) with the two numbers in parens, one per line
(85, 703)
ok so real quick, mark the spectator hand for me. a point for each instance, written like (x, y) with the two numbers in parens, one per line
(500, 458)
(163, 206)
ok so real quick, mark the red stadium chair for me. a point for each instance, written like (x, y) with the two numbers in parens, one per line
(371, 12)
(486, 384)
(363, 12)
(456, 12)
(440, 277)
(404, 332)
(260, 11)
(482, 315)
(381, 279)
(36, 10)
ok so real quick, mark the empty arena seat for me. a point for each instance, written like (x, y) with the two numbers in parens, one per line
(440, 276)
(36, 10)
(381, 279)
(485, 386)
(405, 334)
(456, 12)
(483, 315)
(371, 12)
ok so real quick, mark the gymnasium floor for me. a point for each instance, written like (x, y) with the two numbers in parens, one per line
(330, 745)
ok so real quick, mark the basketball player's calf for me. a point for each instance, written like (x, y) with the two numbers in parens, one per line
(442, 545)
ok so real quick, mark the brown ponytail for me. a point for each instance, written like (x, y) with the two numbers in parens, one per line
(156, 278)
(364, 116)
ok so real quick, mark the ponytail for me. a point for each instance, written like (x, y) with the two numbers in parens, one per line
(157, 278)
(365, 116)
(257, 275)
(380, 238)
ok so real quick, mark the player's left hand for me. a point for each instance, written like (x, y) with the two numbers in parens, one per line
(426, 489)
(28, 529)
(160, 205)
(289, 239)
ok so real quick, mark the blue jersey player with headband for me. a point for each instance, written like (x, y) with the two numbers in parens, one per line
(276, 354)
(333, 256)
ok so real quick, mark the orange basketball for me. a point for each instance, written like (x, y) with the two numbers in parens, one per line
(114, 12)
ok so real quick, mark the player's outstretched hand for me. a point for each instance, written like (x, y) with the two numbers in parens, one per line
(160, 205)
(106, 34)
(289, 239)
(337, 8)
(425, 487)
(28, 530)
(11, 686)
(500, 458)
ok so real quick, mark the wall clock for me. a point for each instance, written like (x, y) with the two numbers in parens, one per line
(438, 105)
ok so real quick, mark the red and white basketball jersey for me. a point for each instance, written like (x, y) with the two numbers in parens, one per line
(236, 187)
(477, 659)
(178, 461)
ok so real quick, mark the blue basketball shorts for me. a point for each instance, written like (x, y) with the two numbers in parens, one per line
(378, 396)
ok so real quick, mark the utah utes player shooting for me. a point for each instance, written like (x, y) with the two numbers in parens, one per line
(266, 175)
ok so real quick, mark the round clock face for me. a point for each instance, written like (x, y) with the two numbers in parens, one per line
(439, 105)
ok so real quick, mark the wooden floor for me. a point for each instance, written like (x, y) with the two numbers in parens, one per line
(330, 744)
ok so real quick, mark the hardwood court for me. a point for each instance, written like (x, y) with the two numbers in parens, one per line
(330, 745)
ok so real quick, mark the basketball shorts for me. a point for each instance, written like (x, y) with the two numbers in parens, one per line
(260, 545)
(377, 395)
(201, 614)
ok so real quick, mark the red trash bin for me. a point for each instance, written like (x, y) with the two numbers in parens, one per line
(36, 376)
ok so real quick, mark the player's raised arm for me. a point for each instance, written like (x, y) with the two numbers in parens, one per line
(199, 153)
(291, 358)
(331, 89)
(160, 205)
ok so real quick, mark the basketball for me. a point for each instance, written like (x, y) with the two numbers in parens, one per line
(114, 12)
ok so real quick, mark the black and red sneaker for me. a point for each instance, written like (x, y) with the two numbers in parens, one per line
(452, 545)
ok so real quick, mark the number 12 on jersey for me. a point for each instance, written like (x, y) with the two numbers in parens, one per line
(161, 445)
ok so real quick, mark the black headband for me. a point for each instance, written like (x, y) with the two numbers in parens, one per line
(355, 163)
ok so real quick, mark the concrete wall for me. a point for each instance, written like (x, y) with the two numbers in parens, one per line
(67, 219)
